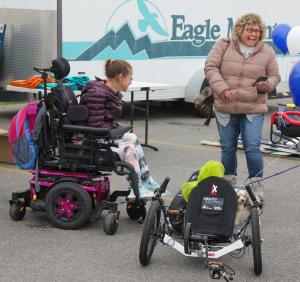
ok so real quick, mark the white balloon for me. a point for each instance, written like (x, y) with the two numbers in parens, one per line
(293, 40)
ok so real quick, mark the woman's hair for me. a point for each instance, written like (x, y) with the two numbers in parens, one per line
(116, 67)
(249, 20)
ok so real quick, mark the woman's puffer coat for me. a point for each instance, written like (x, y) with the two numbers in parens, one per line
(226, 68)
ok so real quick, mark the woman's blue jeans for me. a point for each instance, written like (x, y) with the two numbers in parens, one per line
(251, 137)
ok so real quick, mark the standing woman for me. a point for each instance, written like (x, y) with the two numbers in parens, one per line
(233, 68)
(104, 102)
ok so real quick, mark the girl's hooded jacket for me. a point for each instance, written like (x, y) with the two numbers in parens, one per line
(103, 103)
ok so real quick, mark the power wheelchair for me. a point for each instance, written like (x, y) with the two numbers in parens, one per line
(204, 228)
(71, 180)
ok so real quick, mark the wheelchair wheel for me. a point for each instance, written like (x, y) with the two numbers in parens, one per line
(136, 210)
(67, 205)
(256, 241)
(150, 233)
(111, 223)
(17, 211)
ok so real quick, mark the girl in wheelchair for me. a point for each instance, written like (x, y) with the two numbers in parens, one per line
(103, 99)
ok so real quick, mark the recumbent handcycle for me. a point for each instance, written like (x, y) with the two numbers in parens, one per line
(205, 227)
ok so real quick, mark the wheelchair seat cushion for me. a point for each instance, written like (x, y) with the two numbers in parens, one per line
(211, 208)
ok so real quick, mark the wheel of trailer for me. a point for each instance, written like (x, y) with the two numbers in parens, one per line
(135, 210)
(150, 233)
(17, 210)
(111, 223)
(67, 205)
(256, 241)
(186, 238)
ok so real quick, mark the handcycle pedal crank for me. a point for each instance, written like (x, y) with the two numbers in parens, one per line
(217, 270)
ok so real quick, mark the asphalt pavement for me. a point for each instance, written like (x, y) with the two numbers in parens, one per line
(33, 250)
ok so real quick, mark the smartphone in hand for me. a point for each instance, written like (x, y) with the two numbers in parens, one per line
(261, 90)
(261, 78)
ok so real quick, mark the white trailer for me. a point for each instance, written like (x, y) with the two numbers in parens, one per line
(166, 41)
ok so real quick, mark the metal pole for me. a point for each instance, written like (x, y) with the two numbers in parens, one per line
(59, 28)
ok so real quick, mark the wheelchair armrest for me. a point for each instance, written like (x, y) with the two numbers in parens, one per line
(101, 132)
(118, 132)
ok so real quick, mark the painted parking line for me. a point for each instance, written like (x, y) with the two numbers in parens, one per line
(12, 169)
(183, 145)
(212, 148)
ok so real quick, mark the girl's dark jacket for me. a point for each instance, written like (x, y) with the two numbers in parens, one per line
(103, 103)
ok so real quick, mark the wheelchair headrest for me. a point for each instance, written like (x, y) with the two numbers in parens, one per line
(60, 68)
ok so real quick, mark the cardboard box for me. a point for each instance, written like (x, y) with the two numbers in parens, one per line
(5, 154)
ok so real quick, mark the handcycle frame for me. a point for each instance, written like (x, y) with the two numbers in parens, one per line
(156, 228)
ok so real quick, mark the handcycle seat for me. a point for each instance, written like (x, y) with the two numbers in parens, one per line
(211, 209)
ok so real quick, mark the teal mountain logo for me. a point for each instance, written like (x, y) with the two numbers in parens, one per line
(137, 30)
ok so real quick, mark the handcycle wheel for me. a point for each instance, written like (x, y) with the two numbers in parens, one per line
(256, 241)
(17, 211)
(67, 205)
(150, 233)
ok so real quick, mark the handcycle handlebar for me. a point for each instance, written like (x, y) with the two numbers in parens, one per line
(163, 186)
(254, 199)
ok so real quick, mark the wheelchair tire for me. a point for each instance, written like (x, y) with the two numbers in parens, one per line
(111, 223)
(150, 233)
(67, 205)
(17, 211)
(256, 241)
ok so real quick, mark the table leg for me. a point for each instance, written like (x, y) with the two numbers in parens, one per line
(146, 123)
(131, 109)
